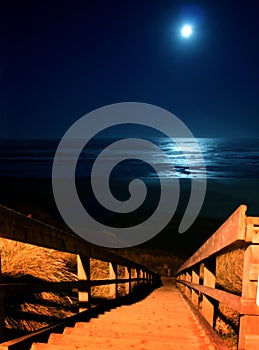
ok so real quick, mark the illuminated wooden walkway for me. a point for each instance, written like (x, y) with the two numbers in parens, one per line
(161, 320)
(164, 318)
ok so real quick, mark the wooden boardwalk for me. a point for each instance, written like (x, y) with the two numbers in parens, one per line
(162, 320)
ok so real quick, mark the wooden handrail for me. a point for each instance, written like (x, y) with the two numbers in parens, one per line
(196, 278)
(230, 234)
(19, 227)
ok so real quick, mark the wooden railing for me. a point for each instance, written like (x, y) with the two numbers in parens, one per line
(197, 279)
(18, 227)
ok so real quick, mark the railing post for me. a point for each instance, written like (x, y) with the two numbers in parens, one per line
(134, 275)
(128, 276)
(148, 278)
(187, 291)
(84, 274)
(209, 280)
(249, 324)
(195, 279)
(141, 277)
(138, 275)
(151, 279)
(113, 270)
(144, 276)
(181, 287)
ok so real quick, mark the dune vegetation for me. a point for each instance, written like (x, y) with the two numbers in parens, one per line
(229, 274)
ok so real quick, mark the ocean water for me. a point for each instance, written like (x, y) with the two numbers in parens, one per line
(224, 158)
(232, 166)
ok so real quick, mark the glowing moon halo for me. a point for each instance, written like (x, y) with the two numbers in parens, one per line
(186, 31)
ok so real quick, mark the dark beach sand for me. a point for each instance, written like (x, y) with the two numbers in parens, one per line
(222, 198)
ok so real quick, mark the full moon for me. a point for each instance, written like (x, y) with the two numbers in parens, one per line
(186, 31)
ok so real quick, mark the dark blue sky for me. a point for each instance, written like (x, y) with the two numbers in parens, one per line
(61, 59)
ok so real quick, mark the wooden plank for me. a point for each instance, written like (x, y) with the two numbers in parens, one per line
(232, 231)
(233, 301)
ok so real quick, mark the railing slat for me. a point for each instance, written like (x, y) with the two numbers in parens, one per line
(233, 301)
(9, 290)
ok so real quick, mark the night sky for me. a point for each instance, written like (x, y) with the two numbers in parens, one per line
(61, 59)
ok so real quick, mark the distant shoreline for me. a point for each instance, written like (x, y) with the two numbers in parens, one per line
(28, 195)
